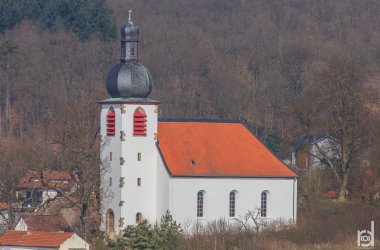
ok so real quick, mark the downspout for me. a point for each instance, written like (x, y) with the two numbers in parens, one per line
(294, 183)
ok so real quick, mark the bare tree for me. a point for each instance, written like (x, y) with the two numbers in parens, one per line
(336, 104)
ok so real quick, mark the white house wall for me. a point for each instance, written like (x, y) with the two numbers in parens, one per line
(111, 168)
(74, 242)
(163, 182)
(21, 225)
(282, 198)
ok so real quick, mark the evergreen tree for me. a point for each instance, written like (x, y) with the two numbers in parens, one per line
(272, 141)
(168, 231)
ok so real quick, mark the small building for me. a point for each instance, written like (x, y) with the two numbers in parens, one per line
(47, 223)
(27, 240)
(309, 151)
(36, 187)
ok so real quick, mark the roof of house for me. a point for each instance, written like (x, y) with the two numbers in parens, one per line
(48, 223)
(309, 139)
(46, 178)
(216, 149)
(34, 239)
(4, 205)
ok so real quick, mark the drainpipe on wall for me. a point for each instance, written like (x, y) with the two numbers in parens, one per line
(294, 184)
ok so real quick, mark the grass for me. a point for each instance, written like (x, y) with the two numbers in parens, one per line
(326, 225)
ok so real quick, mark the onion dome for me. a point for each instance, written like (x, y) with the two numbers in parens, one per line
(129, 78)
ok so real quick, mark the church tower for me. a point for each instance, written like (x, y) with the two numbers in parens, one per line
(128, 137)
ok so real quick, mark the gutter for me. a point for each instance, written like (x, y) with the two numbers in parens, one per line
(294, 183)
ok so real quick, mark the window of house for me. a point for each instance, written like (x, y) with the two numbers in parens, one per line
(138, 218)
(111, 122)
(139, 122)
(200, 204)
(138, 182)
(232, 204)
(139, 156)
(264, 204)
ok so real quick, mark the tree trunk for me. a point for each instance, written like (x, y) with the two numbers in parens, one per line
(343, 187)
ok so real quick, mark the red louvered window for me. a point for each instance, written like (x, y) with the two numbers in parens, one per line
(139, 122)
(111, 122)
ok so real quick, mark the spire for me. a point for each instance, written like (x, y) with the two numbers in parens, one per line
(129, 41)
(129, 78)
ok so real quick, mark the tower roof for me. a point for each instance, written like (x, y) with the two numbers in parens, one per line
(129, 78)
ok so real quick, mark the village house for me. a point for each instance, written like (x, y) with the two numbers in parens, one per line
(199, 170)
(28, 240)
(37, 187)
(47, 223)
(308, 152)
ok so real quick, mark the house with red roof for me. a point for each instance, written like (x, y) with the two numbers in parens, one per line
(199, 170)
(37, 187)
(48, 223)
(20, 240)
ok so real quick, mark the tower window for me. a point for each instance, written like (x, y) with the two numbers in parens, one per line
(133, 52)
(110, 181)
(139, 156)
(111, 122)
(139, 122)
(138, 182)
(138, 218)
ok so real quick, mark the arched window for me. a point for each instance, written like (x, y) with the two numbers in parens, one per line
(138, 218)
(139, 122)
(111, 121)
(200, 204)
(232, 203)
(110, 221)
(264, 204)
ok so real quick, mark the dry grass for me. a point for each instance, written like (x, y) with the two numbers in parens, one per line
(326, 225)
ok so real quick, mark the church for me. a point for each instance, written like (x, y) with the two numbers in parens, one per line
(199, 170)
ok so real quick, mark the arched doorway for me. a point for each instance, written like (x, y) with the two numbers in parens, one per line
(110, 221)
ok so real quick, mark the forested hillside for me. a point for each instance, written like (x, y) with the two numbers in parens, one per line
(250, 60)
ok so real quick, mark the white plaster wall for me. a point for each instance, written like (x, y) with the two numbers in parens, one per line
(282, 199)
(74, 242)
(136, 199)
(163, 182)
(139, 199)
(111, 168)
(21, 225)
(48, 194)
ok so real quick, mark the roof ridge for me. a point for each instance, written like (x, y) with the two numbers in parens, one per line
(201, 120)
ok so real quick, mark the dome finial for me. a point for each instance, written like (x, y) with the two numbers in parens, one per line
(129, 15)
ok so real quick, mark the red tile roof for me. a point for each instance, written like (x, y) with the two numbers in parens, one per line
(34, 239)
(51, 178)
(218, 149)
(4, 205)
(48, 223)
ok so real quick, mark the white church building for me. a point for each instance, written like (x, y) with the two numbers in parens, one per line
(199, 170)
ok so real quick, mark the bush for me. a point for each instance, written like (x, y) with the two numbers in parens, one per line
(145, 236)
